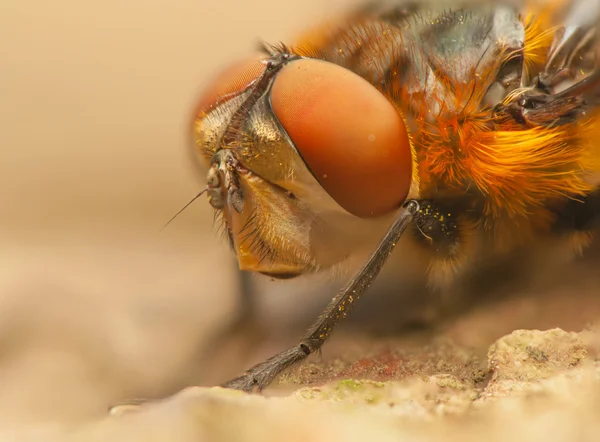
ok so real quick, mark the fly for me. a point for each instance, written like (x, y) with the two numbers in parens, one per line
(464, 129)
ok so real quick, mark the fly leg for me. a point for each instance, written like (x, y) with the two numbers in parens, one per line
(245, 317)
(239, 335)
(569, 84)
(535, 107)
(261, 375)
(573, 46)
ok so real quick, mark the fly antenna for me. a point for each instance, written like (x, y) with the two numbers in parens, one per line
(184, 207)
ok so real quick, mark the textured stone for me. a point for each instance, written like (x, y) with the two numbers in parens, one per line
(541, 386)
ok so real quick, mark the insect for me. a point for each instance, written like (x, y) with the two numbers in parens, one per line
(460, 128)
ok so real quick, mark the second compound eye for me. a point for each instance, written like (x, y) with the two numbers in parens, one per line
(229, 82)
(353, 140)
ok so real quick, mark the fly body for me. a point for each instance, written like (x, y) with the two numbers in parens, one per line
(473, 127)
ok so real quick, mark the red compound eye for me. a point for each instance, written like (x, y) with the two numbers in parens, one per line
(351, 137)
(230, 81)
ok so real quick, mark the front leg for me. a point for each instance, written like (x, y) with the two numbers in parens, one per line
(261, 375)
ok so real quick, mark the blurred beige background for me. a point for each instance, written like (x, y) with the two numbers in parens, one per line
(96, 101)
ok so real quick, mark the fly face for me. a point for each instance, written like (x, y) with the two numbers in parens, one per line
(306, 159)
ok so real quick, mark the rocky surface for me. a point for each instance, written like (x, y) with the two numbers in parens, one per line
(535, 385)
(77, 337)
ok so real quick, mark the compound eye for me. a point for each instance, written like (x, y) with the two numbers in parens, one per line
(230, 82)
(350, 136)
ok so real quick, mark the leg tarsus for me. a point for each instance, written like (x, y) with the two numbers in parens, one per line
(260, 376)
